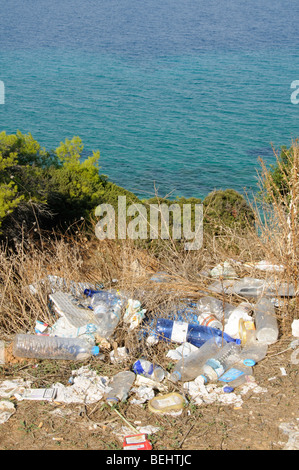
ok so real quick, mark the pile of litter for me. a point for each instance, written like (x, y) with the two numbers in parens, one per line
(213, 344)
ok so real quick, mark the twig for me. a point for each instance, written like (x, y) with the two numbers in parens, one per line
(185, 436)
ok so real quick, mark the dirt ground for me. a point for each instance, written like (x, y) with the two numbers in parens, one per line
(256, 425)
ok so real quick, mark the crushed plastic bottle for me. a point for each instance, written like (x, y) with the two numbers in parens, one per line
(266, 322)
(107, 308)
(52, 347)
(190, 367)
(120, 387)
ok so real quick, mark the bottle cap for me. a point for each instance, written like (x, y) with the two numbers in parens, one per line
(249, 362)
(95, 350)
(88, 292)
(228, 389)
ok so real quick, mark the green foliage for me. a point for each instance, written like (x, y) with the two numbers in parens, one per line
(28, 150)
(66, 186)
(226, 209)
(277, 181)
(8, 188)
(62, 182)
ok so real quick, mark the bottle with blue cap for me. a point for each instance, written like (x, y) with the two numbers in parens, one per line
(190, 367)
(148, 369)
(53, 347)
(223, 360)
(253, 352)
(233, 373)
(241, 380)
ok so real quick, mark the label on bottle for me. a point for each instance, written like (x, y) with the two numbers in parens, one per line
(231, 375)
(179, 332)
(216, 366)
(143, 367)
(206, 319)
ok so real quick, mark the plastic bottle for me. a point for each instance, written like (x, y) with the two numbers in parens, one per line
(52, 347)
(212, 306)
(181, 332)
(251, 288)
(220, 362)
(242, 379)
(235, 372)
(111, 299)
(206, 319)
(253, 352)
(146, 368)
(190, 367)
(266, 323)
(120, 387)
(107, 308)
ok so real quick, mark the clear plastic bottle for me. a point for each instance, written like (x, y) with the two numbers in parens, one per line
(212, 306)
(146, 368)
(120, 387)
(180, 332)
(207, 319)
(221, 361)
(253, 352)
(241, 380)
(266, 322)
(52, 347)
(235, 372)
(107, 307)
(190, 367)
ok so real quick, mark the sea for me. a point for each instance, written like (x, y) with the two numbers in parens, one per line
(181, 97)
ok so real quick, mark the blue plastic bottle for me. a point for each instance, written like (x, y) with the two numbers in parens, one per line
(180, 332)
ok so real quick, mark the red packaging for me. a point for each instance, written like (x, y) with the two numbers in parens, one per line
(137, 442)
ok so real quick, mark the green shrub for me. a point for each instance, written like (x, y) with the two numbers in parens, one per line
(226, 209)
(59, 186)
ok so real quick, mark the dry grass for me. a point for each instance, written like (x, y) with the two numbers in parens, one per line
(84, 258)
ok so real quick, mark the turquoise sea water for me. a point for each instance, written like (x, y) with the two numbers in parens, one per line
(181, 96)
